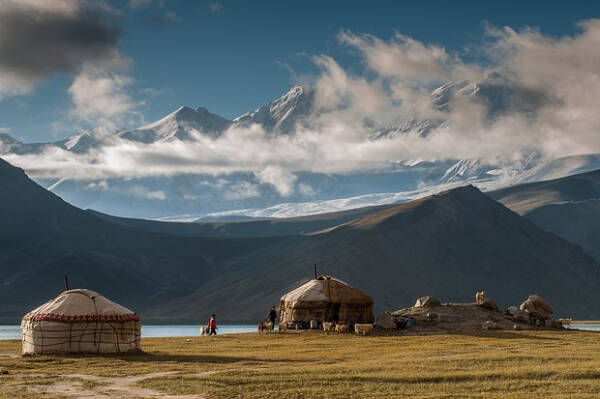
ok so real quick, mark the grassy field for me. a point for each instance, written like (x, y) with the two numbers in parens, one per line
(520, 364)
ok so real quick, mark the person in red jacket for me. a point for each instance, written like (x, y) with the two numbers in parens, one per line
(212, 325)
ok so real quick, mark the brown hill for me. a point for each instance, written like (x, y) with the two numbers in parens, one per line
(448, 245)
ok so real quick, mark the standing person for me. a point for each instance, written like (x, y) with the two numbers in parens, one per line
(272, 316)
(212, 325)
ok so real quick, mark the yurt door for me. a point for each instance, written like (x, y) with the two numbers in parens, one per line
(334, 312)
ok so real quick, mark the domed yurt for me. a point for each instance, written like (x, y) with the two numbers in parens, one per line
(325, 299)
(80, 321)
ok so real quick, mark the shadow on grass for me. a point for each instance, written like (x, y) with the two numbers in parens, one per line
(507, 335)
(349, 380)
(144, 357)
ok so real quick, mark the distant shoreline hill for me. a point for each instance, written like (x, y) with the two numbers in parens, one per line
(448, 245)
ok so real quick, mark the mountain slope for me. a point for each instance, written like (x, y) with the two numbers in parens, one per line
(448, 245)
(248, 228)
(569, 207)
(578, 222)
(42, 238)
(180, 124)
(282, 114)
(527, 197)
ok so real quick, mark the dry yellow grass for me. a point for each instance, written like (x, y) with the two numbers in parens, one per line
(524, 364)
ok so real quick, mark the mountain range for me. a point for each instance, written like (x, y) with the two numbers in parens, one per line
(193, 196)
(449, 245)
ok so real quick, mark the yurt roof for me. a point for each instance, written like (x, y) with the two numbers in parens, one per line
(327, 289)
(81, 305)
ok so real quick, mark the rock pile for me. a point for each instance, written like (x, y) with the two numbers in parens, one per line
(429, 315)
(386, 321)
(537, 308)
(427, 302)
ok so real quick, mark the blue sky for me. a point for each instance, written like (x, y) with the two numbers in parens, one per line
(232, 57)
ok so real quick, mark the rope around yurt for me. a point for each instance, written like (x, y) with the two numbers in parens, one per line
(44, 330)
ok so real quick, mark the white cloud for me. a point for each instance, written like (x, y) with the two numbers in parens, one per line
(97, 185)
(281, 179)
(242, 190)
(99, 97)
(306, 190)
(401, 57)
(66, 35)
(142, 192)
(547, 91)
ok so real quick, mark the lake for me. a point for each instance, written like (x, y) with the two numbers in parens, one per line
(14, 332)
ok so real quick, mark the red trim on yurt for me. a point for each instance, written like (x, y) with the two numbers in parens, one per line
(117, 318)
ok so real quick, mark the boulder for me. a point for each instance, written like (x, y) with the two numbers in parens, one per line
(488, 304)
(537, 307)
(520, 316)
(490, 325)
(557, 324)
(386, 321)
(431, 315)
(427, 302)
(404, 322)
(512, 310)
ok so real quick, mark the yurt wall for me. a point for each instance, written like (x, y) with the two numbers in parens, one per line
(80, 321)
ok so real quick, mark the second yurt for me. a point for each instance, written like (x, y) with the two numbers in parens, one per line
(325, 299)
(80, 321)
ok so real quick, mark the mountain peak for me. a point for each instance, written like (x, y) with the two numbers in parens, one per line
(282, 114)
(449, 202)
(183, 123)
(9, 172)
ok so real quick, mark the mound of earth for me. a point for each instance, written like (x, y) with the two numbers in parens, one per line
(459, 317)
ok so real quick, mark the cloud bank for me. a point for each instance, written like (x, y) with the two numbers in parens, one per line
(530, 95)
(39, 39)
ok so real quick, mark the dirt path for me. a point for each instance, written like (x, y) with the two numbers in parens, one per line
(95, 387)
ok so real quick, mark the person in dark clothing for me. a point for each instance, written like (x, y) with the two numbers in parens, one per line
(272, 316)
(212, 325)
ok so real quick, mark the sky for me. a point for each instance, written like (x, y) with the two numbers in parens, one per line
(120, 64)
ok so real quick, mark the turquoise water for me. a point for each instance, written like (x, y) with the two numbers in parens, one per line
(14, 332)
(585, 326)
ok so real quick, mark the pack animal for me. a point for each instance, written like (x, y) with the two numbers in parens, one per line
(363, 329)
(565, 323)
(342, 328)
(328, 327)
(479, 297)
(268, 327)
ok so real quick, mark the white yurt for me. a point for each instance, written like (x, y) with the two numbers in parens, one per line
(80, 321)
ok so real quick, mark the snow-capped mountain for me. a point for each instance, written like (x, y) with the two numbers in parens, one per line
(181, 124)
(8, 144)
(78, 144)
(160, 197)
(282, 114)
